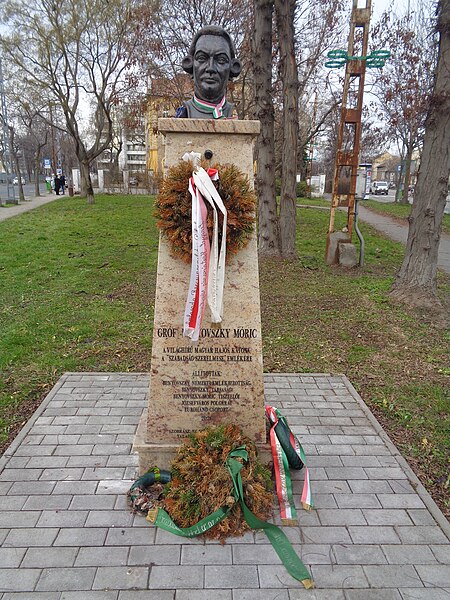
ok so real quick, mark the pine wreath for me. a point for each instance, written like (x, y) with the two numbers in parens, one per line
(173, 208)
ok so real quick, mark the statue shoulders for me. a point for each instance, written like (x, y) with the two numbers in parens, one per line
(189, 111)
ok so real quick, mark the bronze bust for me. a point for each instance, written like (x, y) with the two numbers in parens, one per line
(211, 62)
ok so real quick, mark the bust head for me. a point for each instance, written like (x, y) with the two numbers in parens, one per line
(212, 62)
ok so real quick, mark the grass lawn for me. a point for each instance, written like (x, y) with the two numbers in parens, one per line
(76, 294)
(392, 209)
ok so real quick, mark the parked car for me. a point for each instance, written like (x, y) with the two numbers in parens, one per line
(16, 181)
(380, 187)
(133, 181)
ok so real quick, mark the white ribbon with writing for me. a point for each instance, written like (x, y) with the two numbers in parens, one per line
(216, 278)
(208, 262)
(198, 284)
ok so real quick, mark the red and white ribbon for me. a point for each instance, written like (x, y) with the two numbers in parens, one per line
(208, 262)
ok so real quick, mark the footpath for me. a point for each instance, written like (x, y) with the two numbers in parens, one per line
(29, 204)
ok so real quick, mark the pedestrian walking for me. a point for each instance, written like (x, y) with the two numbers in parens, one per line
(62, 180)
(57, 184)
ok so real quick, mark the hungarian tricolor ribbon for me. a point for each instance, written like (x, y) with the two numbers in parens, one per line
(215, 109)
(287, 452)
(208, 261)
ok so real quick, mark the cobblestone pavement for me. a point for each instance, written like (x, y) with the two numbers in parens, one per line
(66, 532)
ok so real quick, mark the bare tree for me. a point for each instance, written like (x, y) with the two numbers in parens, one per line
(405, 84)
(416, 280)
(77, 54)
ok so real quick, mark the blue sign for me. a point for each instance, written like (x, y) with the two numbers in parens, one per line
(47, 164)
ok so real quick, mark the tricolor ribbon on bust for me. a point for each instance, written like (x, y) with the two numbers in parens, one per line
(215, 109)
(287, 452)
(208, 261)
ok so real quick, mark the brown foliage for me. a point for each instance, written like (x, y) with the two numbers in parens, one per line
(173, 208)
(201, 482)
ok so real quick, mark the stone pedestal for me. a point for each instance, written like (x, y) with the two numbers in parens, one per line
(218, 379)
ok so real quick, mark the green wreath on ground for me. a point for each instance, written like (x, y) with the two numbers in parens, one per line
(173, 208)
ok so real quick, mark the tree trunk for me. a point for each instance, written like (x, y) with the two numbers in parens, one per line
(37, 165)
(416, 280)
(407, 174)
(268, 237)
(285, 10)
(86, 182)
(15, 160)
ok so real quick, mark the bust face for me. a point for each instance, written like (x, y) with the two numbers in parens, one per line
(212, 63)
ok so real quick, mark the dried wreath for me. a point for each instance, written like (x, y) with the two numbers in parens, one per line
(173, 208)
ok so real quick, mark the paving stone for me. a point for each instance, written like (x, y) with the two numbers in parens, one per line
(408, 554)
(11, 558)
(71, 450)
(420, 516)
(373, 535)
(315, 594)
(62, 518)
(86, 502)
(102, 556)
(370, 487)
(176, 577)
(47, 502)
(352, 554)
(400, 501)
(434, 575)
(421, 535)
(20, 474)
(10, 582)
(31, 596)
(64, 474)
(442, 553)
(75, 487)
(356, 501)
(386, 516)
(49, 557)
(331, 487)
(103, 473)
(18, 518)
(46, 462)
(78, 536)
(102, 518)
(225, 577)
(148, 595)
(208, 555)
(390, 576)
(339, 576)
(156, 555)
(125, 536)
(85, 595)
(425, 594)
(24, 538)
(109, 486)
(384, 594)
(325, 535)
(121, 578)
(275, 594)
(342, 516)
(60, 579)
(385, 473)
(87, 461)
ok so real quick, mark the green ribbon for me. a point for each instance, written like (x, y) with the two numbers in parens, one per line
(160, 518)
(276, 536)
